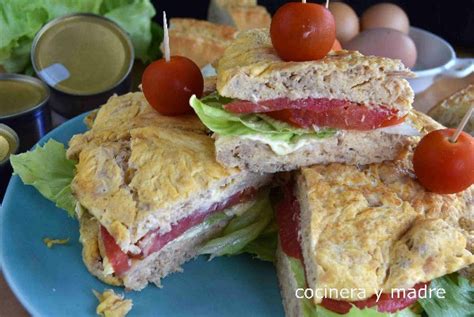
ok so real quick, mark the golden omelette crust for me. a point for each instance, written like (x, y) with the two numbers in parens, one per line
(250, 69)
(376, 227)
(130, 168)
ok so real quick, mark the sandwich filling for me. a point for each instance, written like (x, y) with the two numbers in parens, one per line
(155, 240)
(288, 218)
(321, 112)
(286, 125)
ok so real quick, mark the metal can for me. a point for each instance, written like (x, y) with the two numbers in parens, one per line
(84, 59)
(24, 107)
(9, 144)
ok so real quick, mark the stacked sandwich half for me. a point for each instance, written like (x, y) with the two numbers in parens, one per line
(150, 191)
(358, 225)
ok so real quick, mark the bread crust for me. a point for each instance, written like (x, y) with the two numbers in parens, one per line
(287, 282)
(249, 17)
(250, 69)
(201, 41)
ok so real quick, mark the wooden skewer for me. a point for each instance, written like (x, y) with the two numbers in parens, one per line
(463, 123)
(166, 38)
(327, 4)
(304, 1)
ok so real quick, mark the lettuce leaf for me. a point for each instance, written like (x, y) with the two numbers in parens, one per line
(21, 19)
(50, 172)
(241, 233)
(458, 301)
(310, 310)
(212, 114)
(264, 247)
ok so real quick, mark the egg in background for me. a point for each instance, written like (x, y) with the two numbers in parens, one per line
(385, 15)
(385, 42)
(347, 22)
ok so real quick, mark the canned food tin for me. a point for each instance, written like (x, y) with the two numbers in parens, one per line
(24, 107)
(84, 59)
(9, 144)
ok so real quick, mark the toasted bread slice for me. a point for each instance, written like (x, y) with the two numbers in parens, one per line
(349, 147)
(450, 111)
(251, 70)
(250, 17)
(201, 41)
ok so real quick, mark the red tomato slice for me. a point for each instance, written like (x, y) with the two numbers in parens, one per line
(386, 303)
(321, 112)
(118, 259)
(177, 229)
(287, 216)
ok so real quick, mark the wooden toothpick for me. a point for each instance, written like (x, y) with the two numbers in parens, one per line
(166, 38)
(327, 4)
(463, 123)
(304, 1)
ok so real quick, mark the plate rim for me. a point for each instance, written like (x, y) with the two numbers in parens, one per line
(8, 273)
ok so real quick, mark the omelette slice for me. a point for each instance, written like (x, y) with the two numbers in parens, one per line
(354, 234)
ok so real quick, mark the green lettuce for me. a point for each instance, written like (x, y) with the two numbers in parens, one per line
(458, 301)
(246, 233)
(21, 19)
(48, 170)
(212, 114)
(310, 310)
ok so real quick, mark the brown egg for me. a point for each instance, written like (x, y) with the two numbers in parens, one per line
(385, 15)
(347, 22)
(385, 42)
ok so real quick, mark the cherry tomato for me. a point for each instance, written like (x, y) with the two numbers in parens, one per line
(336, 46)
(302, 31)
(167, 86)
(442, 166)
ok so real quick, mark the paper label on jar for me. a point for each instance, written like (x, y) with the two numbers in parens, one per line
(54, 74)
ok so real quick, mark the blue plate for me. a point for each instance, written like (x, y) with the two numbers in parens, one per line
(55, 282)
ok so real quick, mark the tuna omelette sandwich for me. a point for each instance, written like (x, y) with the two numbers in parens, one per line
(146, 189)
(366, 239)
(269, 115)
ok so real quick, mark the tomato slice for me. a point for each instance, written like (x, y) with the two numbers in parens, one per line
(117, 258)
(320, 112)
(288, 216)
(155, 241)
(161, 239)
(385, 304)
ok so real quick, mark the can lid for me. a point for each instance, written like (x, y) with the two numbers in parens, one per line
(20, 94)
(9, 143)
(82, 54)
(4, 148)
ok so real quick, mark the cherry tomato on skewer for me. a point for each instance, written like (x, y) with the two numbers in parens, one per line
(442, 166)
(302, 31)
(168, 85)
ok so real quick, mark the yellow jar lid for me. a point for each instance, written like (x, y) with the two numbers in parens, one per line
(82, 54)
(4, 148)
(18, 95)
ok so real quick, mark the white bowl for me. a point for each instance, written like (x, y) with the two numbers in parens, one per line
(435, 57)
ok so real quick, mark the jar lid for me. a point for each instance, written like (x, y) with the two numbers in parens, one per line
(82, 54)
